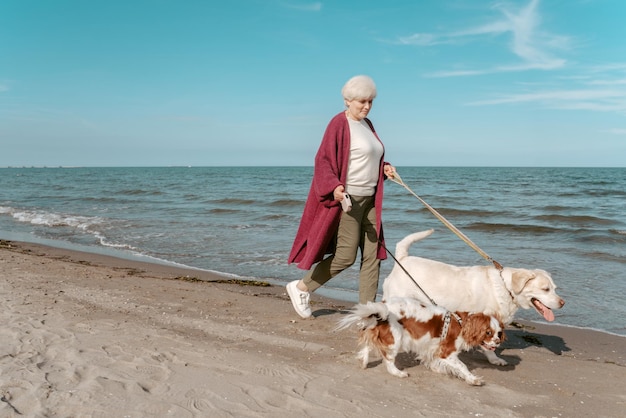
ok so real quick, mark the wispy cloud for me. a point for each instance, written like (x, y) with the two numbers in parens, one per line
(604, 100)
(528, 42)
(304, 7)
(616, 131)
(422, 39)
(600, 89)
(608, 82)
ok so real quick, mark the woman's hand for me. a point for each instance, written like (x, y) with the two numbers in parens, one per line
(338, 193)
(389, 171)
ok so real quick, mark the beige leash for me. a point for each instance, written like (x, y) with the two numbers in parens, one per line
(397, 179)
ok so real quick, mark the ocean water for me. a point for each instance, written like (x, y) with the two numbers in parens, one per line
(242, 220)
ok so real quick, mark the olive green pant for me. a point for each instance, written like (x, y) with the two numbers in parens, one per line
(357, 230)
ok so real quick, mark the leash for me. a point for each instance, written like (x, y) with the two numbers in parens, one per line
(446, 323)
(398, 180)
(408, 274)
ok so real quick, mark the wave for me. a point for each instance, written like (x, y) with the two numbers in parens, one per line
(287, 203)
(449, 212)
(275, 217)
(612, 238)
(575, 219)
(223, 211)
(105, 199)
(89, 225)
(411, 211)
(602, 256)
(581, 227)
(593, 193)
(233, 201)
(136, 192)
(528, 229)
(556, 208)
(603, 193)
(37, 217)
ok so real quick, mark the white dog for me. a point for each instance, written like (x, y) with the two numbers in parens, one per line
(434, 334)
(471, 289)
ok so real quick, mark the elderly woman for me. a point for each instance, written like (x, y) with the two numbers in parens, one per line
(349, 162)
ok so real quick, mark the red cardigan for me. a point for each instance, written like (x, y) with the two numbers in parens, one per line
(320, 218)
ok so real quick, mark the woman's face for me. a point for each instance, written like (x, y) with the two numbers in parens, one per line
(359, 108)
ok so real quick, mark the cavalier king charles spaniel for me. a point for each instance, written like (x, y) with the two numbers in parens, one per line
(435, 335)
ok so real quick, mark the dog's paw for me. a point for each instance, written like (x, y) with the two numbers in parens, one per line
(475, 380)
(400, 373)
(498, 361)
(394, 371)
(363, 357)
(494, 359)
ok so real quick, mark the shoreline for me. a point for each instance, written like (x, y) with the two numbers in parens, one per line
(87, 334)
(164, 267)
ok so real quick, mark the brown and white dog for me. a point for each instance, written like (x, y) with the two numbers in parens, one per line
(472, 288)
(434, 334)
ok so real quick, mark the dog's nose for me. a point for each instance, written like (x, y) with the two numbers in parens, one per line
(561, 303)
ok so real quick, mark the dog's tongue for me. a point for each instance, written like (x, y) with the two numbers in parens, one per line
(544, 310)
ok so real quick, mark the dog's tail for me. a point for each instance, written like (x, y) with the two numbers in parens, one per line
(364, 316)
(402, 248)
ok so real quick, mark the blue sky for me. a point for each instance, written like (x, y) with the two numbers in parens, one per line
(254, 82)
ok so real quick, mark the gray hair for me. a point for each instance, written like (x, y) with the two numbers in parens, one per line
(359, 87)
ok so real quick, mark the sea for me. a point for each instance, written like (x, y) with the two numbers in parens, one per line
(241, 221)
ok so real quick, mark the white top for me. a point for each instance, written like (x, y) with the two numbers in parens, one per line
(365, 154)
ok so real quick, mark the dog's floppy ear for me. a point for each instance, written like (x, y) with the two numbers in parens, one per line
(519, 279)
(474, 328)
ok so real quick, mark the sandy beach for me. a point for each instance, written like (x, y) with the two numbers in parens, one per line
(87, 335)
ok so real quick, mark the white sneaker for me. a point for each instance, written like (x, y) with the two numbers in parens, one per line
(299, 299)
